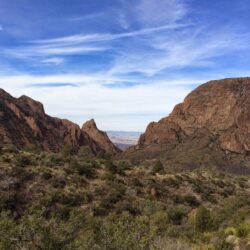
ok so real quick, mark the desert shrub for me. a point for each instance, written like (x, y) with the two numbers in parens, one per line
(32, 232)
(223, 245)
(243, 230)
(53, 160)
(164, 243)
(33, 148)
(49, 199)
(219, 183)
(114, 196)
(109, 177)
(9, 149)
(117, 232)
(108, 202)
(111, 167)
(159, 222)
(172, 182)
(243, 183)
(5, 158)
(128, 206)
(10, 201)
(74, 199)
(230, 231)
(177, 214)
(229, 190)
(86, 169)
(158, 167)
(197, 188)
(123, 166)
(202, 219)
(22, 160)
(231, 208)
(103, 156)
(85, 152)
(68, 151)
(58, 182)
(191, 200)
(46, 175)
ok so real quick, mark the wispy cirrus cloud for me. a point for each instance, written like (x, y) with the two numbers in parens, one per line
(104, 37)
(131, 62)
(52, 50)
(150, 13)
(180, 50)
(54, 60)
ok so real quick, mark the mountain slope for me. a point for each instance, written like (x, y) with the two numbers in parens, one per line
(211, 127)
(23, 122)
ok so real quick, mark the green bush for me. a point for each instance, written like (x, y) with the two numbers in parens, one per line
(46, 175)
(158, 167)
(177, 214)
(32, 148)
(85, 152)
(85, 169)
(172, 182)
(53, 160)
(22, 160)
(203, 220)
(68, 151)
(243, 230)
(58, 182)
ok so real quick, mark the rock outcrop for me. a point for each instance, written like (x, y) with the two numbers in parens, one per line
(23, 122)
(212, 125)
(100, 137)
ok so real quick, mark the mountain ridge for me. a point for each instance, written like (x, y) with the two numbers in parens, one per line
(23, 122)
(213, 122)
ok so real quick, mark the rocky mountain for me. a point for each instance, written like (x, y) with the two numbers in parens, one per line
(211, 127)
(100, 137)
(23, 122)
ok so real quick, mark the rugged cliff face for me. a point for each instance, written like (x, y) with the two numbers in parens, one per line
(24, 122)
(100, 137)
(211, 125)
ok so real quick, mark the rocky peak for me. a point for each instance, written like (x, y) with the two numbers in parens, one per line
(100, 137)
(23, 122)
(4, 94)
(89, 125)
(33, 105)
(215, 116)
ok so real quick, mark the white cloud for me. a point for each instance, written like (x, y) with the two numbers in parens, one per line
(1, 27)
(102, 37)
(80, 44)
(52, 50)
(160, 12)
(180, 49)
(131, 108)
(53, 60)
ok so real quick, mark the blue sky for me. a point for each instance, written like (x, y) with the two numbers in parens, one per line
(122, 62)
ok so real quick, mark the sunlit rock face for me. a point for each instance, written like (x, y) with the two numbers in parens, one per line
(216, 115)
(23, 122)
(100, 137)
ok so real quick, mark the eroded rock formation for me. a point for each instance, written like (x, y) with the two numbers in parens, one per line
(213, 121)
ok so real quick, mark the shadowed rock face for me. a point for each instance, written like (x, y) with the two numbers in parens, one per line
(100, 137)
(214, 117)
(24, 122)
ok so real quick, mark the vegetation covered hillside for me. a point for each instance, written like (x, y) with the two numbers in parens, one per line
(72, 200)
